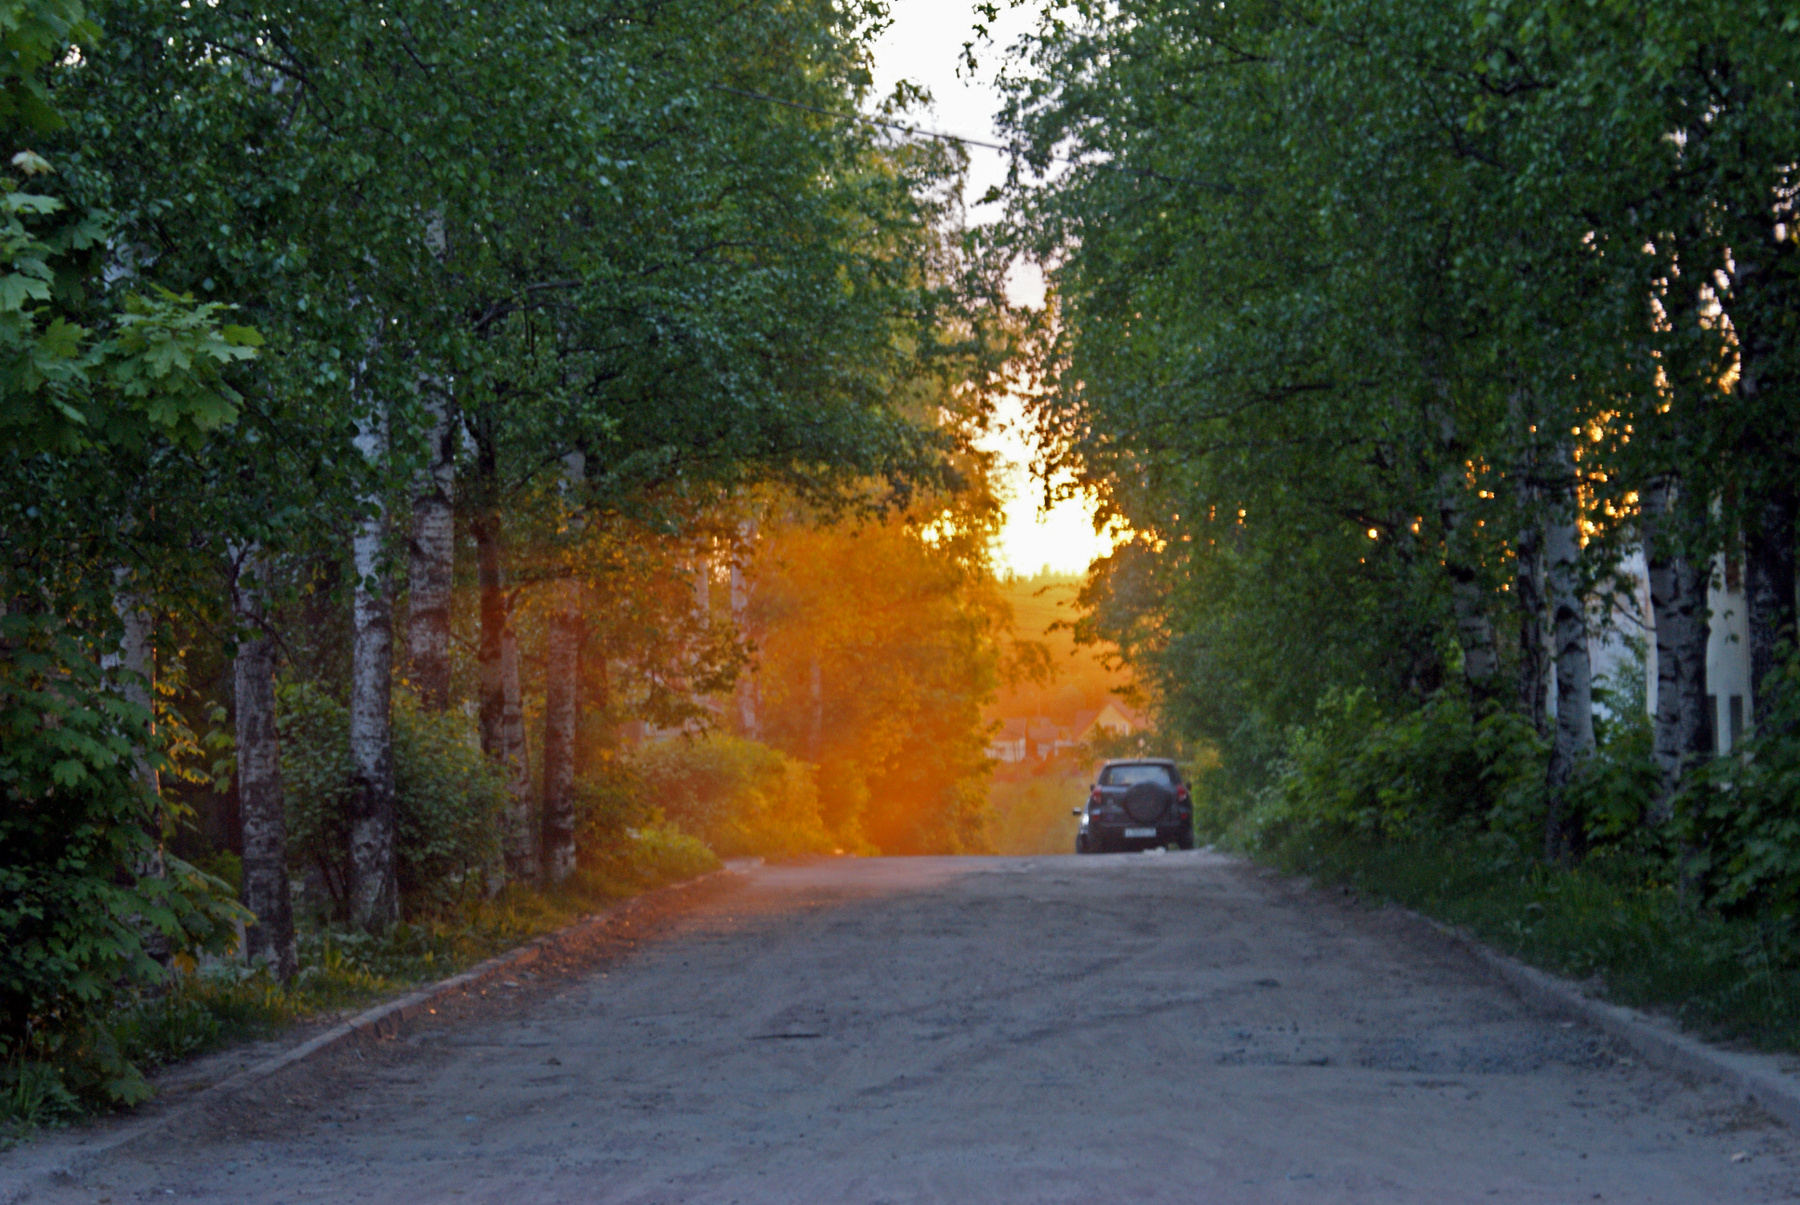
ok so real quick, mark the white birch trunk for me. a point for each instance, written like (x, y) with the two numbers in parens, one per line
(1573, 740)
(432, 554)
(269, 939)
(137, 685)
(374, 894)
(1679, 612)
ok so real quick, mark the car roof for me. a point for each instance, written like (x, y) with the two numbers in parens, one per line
(1138, 761)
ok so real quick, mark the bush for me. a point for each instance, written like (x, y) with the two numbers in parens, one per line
(1436, 768)
(738, 796)
(76, 899)
(1739, 815)
(447, 797)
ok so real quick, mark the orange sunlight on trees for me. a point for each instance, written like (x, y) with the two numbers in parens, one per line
(878, 644)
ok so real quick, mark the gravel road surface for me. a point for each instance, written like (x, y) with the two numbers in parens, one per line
(1143, 1028)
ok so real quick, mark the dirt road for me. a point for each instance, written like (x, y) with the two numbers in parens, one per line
(1142, 1028)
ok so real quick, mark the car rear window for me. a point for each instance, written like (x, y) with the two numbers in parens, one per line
(1125, 776)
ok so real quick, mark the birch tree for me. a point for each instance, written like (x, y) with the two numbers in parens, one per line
(269, 938)
(432, 551)
(374, 893)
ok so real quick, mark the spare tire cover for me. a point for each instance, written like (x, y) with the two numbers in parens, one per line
(1147, 801)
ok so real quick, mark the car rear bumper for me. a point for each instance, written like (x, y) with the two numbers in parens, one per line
(1114, 836)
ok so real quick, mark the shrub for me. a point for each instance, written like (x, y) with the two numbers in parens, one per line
(1428, 770)
(1740, 814)
(76, 901)
(738, 796)
(447, 797)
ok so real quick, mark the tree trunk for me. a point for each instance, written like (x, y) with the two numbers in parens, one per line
(374, 894)
(1761, 304)
(562, 689)
(500, 704)
(749, 722)
(595, 732)
(270, 937)
(703, 590)
(562, 700)
(1534, 666)
(1468, 595)
(1528, 566)
(815, 738)
(1678, 608)
(1574, 737)
(433, 553)
(137, 657)
(1769, 585)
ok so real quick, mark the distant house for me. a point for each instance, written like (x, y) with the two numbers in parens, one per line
(1114, 719)
(1046, 739)
(1029, 738)
(1039, 738)
(1011, 744)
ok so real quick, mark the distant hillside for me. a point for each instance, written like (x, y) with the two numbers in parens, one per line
(1081, 683)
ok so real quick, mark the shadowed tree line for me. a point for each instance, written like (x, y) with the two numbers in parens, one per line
(381, 371)
(1391, 330)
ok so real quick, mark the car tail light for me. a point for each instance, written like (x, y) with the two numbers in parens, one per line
(1094, 800)
(1181, 794)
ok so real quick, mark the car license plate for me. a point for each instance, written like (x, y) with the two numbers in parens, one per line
(1140, 832)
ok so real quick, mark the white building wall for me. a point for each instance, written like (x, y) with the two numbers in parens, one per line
(1727, 647)
(1728, 659)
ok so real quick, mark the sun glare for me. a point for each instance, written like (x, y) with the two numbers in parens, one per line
(1062, 538)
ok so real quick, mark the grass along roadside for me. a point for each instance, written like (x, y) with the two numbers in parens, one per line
(215, 1003)
(1600, 923)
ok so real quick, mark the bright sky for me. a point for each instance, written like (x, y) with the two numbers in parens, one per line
(924, 45)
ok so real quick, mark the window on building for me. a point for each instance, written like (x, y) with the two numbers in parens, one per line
(1737, 719)
(1712, 722)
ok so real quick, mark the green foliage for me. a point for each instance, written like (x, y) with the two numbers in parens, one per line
(447, 797)
(1435, 768)
(739, 796)
(149, 368)
(218, 1001)
(77, 843)
(1422, 281)
(642, 858)
(1740, 815)
(622, 839)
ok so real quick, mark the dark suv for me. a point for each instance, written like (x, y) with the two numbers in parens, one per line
(1140, 803)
